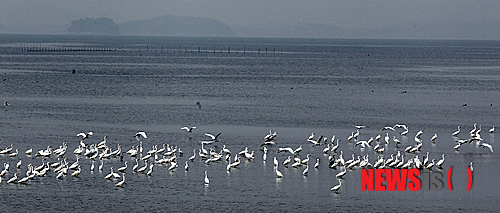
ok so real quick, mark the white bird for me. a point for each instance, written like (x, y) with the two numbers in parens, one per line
(327, 148)
(471, 168)
(396, 140)
(299, 149)
(77, 172)
(29, 151)
(305, 161)
(74, 165)
(122, 169)
(207, 181)
(388, 128)
(7, 165)
(186, 167)
(473, 130)
(23, 180)
(306, 170)
(110, 175)
(19, 163)
(386, 138)
(120, 184)
(151, 169)
(431, 164)
(311, 136)
(92, 166)
(426, 159)
(286, 149)
(350, 136)
(486, 145)
(275, 161)
(14, 154)
(142, 169)
(334, 148)
(100, 166)
(337, 187)
(359, 126)
(139, 135)
(316, 165)
(173, 165)
(278, 173)
(440, 162)
(492, 129)
(287, 161)
(85, 136)
(405, 132)
(456, 132)
(13, 179)
(341, 174)
(400, 126)
(194, 155)
(264, 156)
(419, 133)
(136, 164)
(433, 138)
(189, 129)
(213, 137)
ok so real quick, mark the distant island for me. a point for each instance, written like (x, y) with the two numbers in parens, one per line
(177, 26)
(94, 26)
(157, 26)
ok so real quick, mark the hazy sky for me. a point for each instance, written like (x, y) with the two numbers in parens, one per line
(241, 13)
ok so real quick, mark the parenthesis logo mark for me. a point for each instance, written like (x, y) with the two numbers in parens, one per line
(449, 179)
(470, 179)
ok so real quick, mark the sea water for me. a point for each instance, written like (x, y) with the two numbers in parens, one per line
(59, 86)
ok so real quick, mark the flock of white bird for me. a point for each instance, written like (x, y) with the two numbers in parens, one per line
(404, 158)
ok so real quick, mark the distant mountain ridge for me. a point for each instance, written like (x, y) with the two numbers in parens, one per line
(177, 26)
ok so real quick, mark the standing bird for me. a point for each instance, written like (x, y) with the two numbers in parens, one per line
(311, 136)
(471, 168)
(492, 129)
(316, 165)
(419, 133)
(207, 181)
(456, 132)
(337, 187)
(433, 138)
(306, 170)
(439, 164)
(122, 169)
(120, 184)
(13, 179)
(278, 173)
(77, 172)
(396, 141)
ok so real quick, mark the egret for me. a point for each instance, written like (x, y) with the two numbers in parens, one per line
(337, 187)
(207, 181)
(120, 184)
(456, 132)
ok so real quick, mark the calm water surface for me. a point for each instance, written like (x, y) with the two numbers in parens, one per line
(245, 87)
